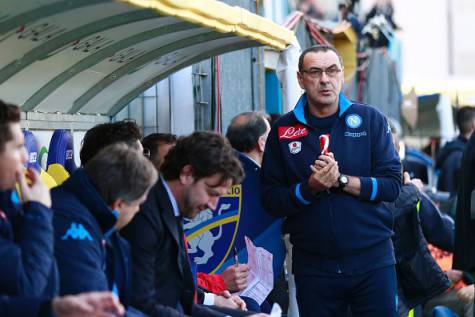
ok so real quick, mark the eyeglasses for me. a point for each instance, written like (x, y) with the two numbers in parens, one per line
(331, 72)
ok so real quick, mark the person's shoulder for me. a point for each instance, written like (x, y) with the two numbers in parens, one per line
(65, 202)
(365, 109)
(285, 119)
(151, 202)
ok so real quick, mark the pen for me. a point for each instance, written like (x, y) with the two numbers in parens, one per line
(236, 259)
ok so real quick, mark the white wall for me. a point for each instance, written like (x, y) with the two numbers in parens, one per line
(181, 97)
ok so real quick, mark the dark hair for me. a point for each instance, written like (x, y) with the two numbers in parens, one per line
(208, 153)
(464, 118)
(245, 130)
(105, 134)
(153, 141)
(8, 114)
(316, 49)
(119, 171)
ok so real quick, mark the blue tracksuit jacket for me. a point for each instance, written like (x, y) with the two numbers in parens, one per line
(334, 232)
(91, 256)
(27, 265)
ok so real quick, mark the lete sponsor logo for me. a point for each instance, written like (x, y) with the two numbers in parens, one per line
(291, 133)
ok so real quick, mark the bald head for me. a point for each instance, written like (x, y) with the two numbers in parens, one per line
(248, 131)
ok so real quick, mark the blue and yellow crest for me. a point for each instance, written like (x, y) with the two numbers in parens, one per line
(212, 233)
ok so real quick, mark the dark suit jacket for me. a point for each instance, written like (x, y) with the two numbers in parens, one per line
(161, 271)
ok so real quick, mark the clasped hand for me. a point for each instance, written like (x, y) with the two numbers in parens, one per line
(325, 173)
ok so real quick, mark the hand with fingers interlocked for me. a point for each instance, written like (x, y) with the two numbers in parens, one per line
(325, 173)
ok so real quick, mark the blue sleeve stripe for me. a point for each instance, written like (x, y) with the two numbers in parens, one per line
(299, 195)
(374, 190)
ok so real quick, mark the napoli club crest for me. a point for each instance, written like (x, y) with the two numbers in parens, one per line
(212, 233)
(353, 121)
(295, 147)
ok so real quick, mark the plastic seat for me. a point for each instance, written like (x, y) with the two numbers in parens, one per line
(61, 155)
(31, 146)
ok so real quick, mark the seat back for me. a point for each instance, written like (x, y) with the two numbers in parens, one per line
(61, 150)
(31, 146)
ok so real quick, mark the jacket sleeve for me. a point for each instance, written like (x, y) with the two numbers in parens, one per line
(279, 198)
(79, 256)
(438, 229)
(25, 307)
(26, 262)
(385, 181)
(143, 240)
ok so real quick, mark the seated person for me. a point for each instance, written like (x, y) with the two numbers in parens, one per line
(106, 134)
(26, 232)
(27, 272)
(234, 278)
(195, 173)
(89, 208)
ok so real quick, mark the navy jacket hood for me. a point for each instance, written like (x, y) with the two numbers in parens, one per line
(81, 186)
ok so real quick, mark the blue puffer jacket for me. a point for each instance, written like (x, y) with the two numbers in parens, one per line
(334, 232)
(27, 265)
(91, 255)
(25, 307)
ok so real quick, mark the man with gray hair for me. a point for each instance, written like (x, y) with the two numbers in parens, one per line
(89, 208)
(327, 168)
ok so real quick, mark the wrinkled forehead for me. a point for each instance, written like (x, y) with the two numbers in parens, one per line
(321, 60)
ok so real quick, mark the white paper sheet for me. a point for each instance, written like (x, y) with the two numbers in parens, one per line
(261, 274)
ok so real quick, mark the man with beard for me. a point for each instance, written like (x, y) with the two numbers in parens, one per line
(195, 173)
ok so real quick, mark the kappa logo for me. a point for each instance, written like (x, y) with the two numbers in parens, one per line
(295, 147)
(77, 232)
(353, 121)
(293, 132)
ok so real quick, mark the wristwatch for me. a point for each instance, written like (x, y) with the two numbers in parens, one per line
(342, 181)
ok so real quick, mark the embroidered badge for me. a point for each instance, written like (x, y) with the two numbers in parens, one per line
(353, 121)
(295, 147)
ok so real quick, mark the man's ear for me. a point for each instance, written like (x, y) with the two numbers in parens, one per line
(261, 143)
(300, 79)
(117, 204)
(186, 175)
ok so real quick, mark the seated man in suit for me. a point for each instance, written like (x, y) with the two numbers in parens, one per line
(234, 278)
(195, 173)
(89, 208)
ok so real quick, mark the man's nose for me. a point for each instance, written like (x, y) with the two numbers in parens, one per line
(324, 77)
(213, 203)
